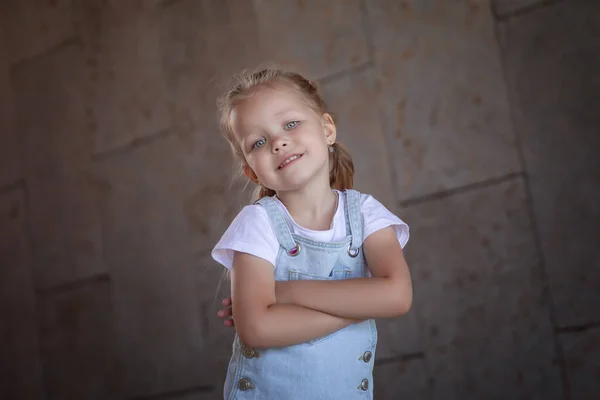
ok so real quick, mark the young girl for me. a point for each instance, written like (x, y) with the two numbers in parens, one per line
(312, 262)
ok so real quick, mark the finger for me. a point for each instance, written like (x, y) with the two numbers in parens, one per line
(226, 301)
(224, 312)
(229, 322)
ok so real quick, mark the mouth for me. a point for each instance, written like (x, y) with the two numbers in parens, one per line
(289, 160)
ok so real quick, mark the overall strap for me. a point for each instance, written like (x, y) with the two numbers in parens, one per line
(282, 229)
(354, 218)
(346, 215)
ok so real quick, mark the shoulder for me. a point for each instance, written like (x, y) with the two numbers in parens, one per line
(252, 214)
(252, 219)
(369, 203)
(250, 232)
(376, 216)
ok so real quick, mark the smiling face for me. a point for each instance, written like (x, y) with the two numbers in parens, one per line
(284, 141)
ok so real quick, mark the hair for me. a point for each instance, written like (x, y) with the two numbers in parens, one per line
(246, 83)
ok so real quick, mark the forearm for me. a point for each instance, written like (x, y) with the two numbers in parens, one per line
(288, 324)
(361, 298)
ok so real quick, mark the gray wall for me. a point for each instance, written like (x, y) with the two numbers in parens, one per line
(477, 123)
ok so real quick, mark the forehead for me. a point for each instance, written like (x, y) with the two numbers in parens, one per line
(267, 105)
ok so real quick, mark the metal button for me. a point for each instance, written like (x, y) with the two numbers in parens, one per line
(367, 356)
(364, 385)
(248, 351)
(294, 251)
(244, 384)
(353, 252)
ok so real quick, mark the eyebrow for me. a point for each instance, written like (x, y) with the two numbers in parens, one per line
(285, 111)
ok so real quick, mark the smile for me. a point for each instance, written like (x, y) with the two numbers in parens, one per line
(289, 160)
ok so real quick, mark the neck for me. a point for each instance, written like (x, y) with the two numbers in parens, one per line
(312, 207)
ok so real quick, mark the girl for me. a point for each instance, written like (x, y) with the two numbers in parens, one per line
(302, 297)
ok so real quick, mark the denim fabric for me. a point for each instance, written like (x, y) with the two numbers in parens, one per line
(336, 366)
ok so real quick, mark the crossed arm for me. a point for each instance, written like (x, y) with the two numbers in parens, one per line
(277, 314)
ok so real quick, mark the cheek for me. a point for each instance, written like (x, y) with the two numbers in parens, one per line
(259, 160)
(319, 140)
(314, 134)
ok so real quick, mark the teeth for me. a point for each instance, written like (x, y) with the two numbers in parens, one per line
(289, 160)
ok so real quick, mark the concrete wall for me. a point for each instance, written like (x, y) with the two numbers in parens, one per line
(477, 122)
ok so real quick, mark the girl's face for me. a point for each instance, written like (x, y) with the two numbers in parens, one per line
(284, 141)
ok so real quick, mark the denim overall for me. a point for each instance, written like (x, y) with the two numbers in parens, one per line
(338, 366)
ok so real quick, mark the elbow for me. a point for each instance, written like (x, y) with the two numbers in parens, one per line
(255, 333)
(402, 301)
(253, 329)
(401, 307)
(404, 306)
(251, 336)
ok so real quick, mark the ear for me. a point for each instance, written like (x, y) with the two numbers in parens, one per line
(329, 128)
(249, 173)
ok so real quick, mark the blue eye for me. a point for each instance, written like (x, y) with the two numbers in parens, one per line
(291, 125)
(258, 143)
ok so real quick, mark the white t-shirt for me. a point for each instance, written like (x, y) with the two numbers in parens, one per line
(252, 232)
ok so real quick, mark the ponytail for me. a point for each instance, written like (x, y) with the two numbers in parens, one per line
(262, 191)
(341, 174)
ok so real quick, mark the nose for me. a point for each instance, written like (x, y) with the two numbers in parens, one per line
(278, 144)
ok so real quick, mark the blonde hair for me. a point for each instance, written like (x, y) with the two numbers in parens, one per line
(246, 83)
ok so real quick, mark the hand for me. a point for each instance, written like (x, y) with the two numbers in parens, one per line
(226, 313)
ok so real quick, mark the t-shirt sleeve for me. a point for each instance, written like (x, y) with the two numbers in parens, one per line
(376, 217)
(250, 232)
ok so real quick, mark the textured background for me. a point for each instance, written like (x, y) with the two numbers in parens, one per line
(477, 122)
